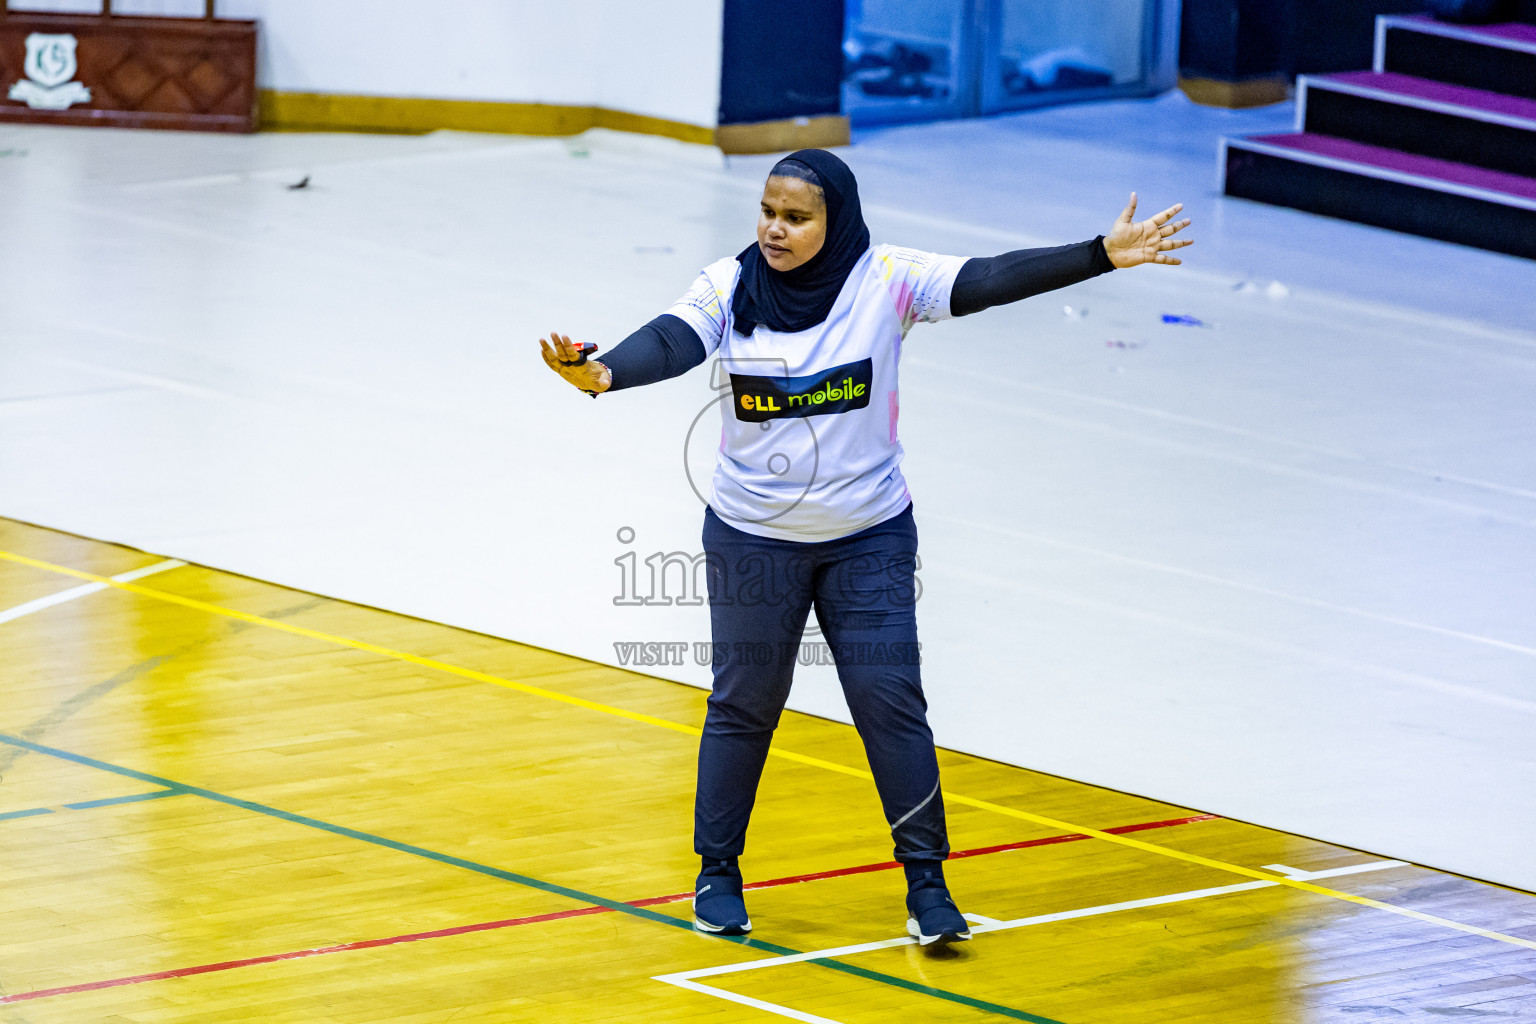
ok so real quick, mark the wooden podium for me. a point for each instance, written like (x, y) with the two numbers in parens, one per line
(195, 74)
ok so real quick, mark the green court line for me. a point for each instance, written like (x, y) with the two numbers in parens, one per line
(174, 788)
(158, 794)
(928, 990)
(86, 805)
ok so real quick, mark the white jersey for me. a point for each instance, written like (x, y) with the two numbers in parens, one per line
(808, 445)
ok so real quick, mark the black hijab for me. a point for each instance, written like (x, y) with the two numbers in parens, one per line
(793, 300)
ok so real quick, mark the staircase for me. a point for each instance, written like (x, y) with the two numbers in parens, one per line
(1438, 139)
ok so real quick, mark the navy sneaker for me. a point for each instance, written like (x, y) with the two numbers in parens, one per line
(717, 904)
(932, 916)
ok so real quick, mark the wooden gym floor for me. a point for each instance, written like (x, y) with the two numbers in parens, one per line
(223, 800)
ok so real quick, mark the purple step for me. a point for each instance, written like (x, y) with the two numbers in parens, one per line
(1499, 34)
(1509, 32)
(1497, 58)
(1431, 172)
(1374, 185)
(1407, 88)
(1455, 123)
(1513, 31)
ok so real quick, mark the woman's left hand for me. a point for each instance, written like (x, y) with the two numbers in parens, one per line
(1131, 242)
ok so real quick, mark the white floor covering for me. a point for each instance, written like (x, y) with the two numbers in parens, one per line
(1282, 568)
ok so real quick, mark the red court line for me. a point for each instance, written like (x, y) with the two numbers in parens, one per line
(465, 929)
(227, 965)
(982, 851)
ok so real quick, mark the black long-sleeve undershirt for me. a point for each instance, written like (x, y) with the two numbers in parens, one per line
(664, 348)
(667, 347)
(995, 280)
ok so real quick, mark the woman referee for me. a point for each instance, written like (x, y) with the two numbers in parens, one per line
(808, 506)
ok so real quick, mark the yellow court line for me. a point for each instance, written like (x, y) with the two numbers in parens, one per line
(788, 755)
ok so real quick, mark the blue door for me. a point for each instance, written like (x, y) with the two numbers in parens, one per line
(920, 60)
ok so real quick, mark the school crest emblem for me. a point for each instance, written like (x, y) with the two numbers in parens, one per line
(50, 68)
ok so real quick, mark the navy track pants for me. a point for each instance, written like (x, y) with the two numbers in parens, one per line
(863, 588)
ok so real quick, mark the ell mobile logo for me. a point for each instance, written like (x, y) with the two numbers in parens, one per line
(828, 393)
(834, 390)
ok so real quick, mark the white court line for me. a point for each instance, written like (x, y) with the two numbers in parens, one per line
(685, 979)
(1251, 588)
(756, 1004)
(89, 588)
(1202, 450)
(1065, 598)
(1214, 426)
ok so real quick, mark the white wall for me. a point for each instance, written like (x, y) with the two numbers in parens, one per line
(663, 61)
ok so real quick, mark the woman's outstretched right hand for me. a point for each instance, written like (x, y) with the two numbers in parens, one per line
(592, 376)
